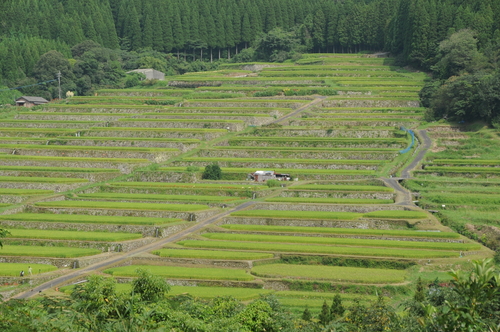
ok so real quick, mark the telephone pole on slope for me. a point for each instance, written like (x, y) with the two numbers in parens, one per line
(59, 80)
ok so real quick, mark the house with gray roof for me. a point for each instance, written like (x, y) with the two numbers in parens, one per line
(151, 74)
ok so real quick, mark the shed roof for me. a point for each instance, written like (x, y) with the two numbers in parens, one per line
(32, 99)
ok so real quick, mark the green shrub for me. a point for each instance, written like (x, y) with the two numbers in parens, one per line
(212, 172)
(273, 183)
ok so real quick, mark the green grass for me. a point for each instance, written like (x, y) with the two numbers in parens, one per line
(87, 148)
(457, 169)
(331, 273)
(25, 192)
(41, 179)
(342, 188)
(329, 200)
(462, 198)
(57, 169)
(211, 254)
(178, 120)
(318, 249)
(298, 214)
(13, 269)
(154, 197)
(71, 235)
(342, 241)
(39, 251)
(87, 219)
(343, 231)
(182, 272)
(123, 206)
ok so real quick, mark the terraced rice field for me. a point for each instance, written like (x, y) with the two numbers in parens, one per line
(124, 169)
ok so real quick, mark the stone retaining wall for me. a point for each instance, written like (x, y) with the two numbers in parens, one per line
(248, 120)
(233, 126)
(146, 231)
(320, 194)
(193, 216)
(204, 136)
(316, 144)
(326, 132)
(59, 262)
(71, 117)
(48, 124)
(182, 146)
(277, 165)
(91, 176)
(190, 261)
(355, 123)
(370, 103)
(296, 154)
(360, 223)
(243, 104)
(327, 207)
(122, 167)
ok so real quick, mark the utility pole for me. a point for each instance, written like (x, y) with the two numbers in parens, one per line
(59, 80)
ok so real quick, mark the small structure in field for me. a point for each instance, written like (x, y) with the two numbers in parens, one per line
(263, 176)
(151, 74)
(30, 101)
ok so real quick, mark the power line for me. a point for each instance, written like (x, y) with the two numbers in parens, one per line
(27, 86)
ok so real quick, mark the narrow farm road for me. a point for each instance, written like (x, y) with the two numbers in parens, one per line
(60, 281)
(404, 195)
(300, 109)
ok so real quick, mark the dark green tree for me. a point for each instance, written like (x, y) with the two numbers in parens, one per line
(324, 316)
(212, 172)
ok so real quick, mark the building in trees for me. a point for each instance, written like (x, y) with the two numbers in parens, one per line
(151, 74)
(29, 101)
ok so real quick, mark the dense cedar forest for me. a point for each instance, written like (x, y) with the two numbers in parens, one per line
(176, 36)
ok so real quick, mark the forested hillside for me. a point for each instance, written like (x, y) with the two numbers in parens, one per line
(141, 33)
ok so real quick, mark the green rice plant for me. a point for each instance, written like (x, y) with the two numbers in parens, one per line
(342, 231)
(296, 149)
(41, 179)
(25, 192)
(75, 159)
(178, 120)
(285, 160)
(88, 219)
(320, 295)
(13, 269)
(55, 252)
(211, 254)
(462, 198)
(57, 169)
(332, 273)
(396, 214)
(154, 197)
(287, 214)
(87, 148)
(319, 249)
(71, 235)
(4, 204)
(180, 272)
(341, 188)
(162, 130)
(458, 169)
(314, 200)
(186, 185)
(122, 206)
(343, 241)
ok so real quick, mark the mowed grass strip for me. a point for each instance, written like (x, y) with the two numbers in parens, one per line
(331, 273)
(180, 272)
(58, 169)
(319, 249)
(186, 185)
(211, 254)
(41, 179)
(13, 269)
(329, 200)
(342, 241)
(55, 252)
(87, 219)
(154, 197)
(25, 192)
(396, 214)
(340, 231)
(462, 198)
(342, 188)
(71, 235)
(123, 206)
(298, 214)
(467, 162)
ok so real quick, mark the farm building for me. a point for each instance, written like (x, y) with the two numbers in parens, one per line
(29, 101)
(263, 176)
(151, 74)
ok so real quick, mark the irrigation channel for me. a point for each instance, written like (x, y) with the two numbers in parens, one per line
(403, 198)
